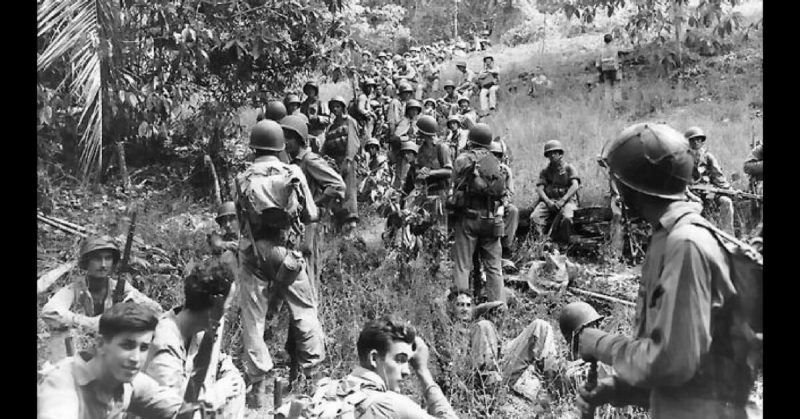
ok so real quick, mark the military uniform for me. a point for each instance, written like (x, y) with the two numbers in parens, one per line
(407, 131)
(511, 213)
(488, 93)
(456, 140)
(556, 182)
(434, 155)
(318, 120)
(342, 144)
(707, 171)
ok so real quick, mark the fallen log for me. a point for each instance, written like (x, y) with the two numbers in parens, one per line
(58, 226)
(50, 277)
(601, 296)
(65, 223)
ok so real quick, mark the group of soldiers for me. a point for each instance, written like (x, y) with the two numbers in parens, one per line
(308, 157)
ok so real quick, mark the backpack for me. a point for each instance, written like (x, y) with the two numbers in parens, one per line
(270, 196)
(745, 300)
(486, 177)
(332, 399)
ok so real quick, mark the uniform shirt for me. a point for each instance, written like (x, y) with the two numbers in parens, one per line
(434, 155)
(509, 178)
(707, 169)
(318, 115)
(465, 79)
(684, 276)
(363, 105)
(341, 139)
(468, 117)
(608, 58)
(394, 112)
(407, 128)
(322, 179)
(754, 166)
(457, 140)
(494, 70)
(73, 305)
(557, 181)
(71, 391)
(385, 404)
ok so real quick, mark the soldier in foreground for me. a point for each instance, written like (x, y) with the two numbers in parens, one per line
(707, 171)
(177, 339)
(681, 360)
(108, 384)
(557, 186)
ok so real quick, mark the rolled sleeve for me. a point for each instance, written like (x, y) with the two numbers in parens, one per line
(572, 173)
(542, 181)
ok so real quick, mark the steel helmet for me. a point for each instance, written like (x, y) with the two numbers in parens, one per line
(310, 84)
(370, 82)
(94, 244)
(553, 145)
(496, 147)
(414, 49)
(487, 57)
(454, 118)
(227, 208)
(367, 53)
(337, 99)
(653, 159)
(480, 134)
(397, 57)
(297, 125)
(574, 316)
(381, 54)
(405, 88)
(275, 110)
(462, 99)
(694, 132)
(292, 99)
(427, 125)
(429, 100)
(413, 103)
(409, 145)
(267, 135)
(449, 83)
(372, 141)
(461, 63)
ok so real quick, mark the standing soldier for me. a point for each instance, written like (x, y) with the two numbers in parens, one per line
(685, 359)
(433, 168)
(317, 114)
(478, 191)
(466, 82)
(607, 65)
(274, 198)
(80, 304)
(406, 131)
(225, 246)
(406, 72)
(557, 187)
(342, 145)
(707, 171)
(456, 138)
(326, 185)
(397, 107)
(366, 116)
(511, 212)
(488, 81)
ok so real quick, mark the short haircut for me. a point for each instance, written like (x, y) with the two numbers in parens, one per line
(127, 317)
(204, 283)
(379, 335)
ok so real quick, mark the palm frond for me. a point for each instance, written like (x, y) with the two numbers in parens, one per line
(76, 29)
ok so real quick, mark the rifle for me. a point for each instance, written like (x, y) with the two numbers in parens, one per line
(591, 383)
(729, 192)
(119, 290)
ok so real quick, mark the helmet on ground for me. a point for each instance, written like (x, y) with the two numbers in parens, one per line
(409, 145)
(413, 103)
(427, 125)
(553, 145)
(310, 85)
(337, 99)
(429, 100)
(574, 316)
(372, 142)
(292, 99)
(267, 135)
(227, 208)
(405, 88)
(297, 125)
(653, 159)
(463, 99)
(275, 110)
(94, 244)
(461, 63)
(480, 134)
(454, 118)
(694, 132)
(449, 83)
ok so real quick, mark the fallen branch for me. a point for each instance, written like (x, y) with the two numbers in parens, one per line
(58, 226)
(50, 277)
(601, 296)
(65, 223)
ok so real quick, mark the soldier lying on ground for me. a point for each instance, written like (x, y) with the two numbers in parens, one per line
(108, 384)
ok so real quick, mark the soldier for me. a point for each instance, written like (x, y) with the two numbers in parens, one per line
(510, 211)
(488, 82)
(477, 201)
(274, 111)
(436, 72)
(608, 66)
(293, 103)
(406, 131)
(397, 107)
(557, 187)
(682, 359)
(466, 83)
(326, 185)
(275, 198)
(450, 97)
(225, 246)
(408, 155)
(342, 145)
(754, 168)
(108, 384)
(429, 107)
(377, 161)
(456, 138)
(80, 304)
(366, 117)
(386, 347)
(406, 72)
(177, 338)
(467, 115)
(317, 114)
(707, 171)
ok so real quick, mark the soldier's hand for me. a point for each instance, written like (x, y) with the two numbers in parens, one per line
(424, 173)
(420, 359)
(603, 393)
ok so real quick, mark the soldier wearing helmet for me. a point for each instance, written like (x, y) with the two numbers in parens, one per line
(80, 304)
(467, 115)
(683, 359)
(317, 114)
(478, 191)
(225, 244)
(450, 97)
(406, 131)
(365, 116)
(557, 187)
(429, 107)
(292, 103)
(456, 137)
(342, 144)
(511, 212)
(465, 84)
(707, 171)
(488, 81)
(274, 111)
(405, 71)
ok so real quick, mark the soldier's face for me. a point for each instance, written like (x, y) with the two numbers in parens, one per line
(100, 263)
(452, 126)
(463, 307)
(292, 144)
(410, 156)
(555, 157)
(697, 143)
(229, 224)
(292, 107)
(372, 150)
(449, 90)
(464, 105)
(123, 355)
(412, 113)
(337, 109)
(393, 366)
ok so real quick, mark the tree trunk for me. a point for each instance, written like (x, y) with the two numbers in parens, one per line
(123, 167)
(677, 17)
(215, 179)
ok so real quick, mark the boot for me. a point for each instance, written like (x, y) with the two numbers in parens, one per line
(256, 398)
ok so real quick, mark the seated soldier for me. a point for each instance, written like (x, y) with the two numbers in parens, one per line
(108, 384)
(707, 171)
(557, 186)
(177, 338)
